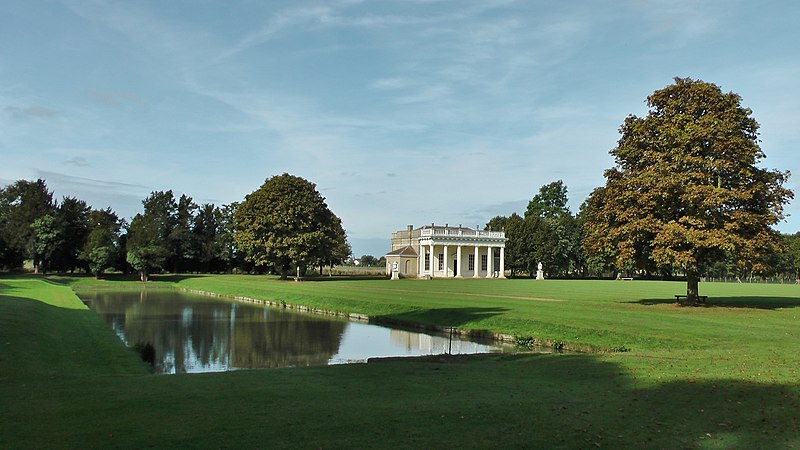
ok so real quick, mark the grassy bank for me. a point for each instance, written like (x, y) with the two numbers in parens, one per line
(716, 377)
(606, 314)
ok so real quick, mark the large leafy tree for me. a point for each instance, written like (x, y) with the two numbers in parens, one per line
(496, 223)
(48, 239)
(183, 254)
(687, 189)
(553, 231)
(146, 250)
(284, 224)
(149, 243)
(550, 202)
(229, 255)
(21, 204)
(72, 216)
(208, 240)
(334, 248)
(516, 247)
(101, 249)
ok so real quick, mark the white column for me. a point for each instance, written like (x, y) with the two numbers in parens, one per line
(489, 261)
(433, 261)
(477, 263)
(458, 262)
(445, 263)
(502, 262)
(421, 268)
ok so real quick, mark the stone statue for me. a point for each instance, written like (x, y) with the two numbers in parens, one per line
(395, 271)
(540, 272)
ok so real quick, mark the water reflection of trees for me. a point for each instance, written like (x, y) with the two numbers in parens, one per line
(424, 344)
(194, 334)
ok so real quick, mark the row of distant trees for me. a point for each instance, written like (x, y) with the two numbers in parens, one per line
(371, 261)
(283, 226)
(549, 233)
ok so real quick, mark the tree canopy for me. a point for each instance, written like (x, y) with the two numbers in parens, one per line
(550, 202)
(100, 250)
(687, 189)
(21, 204)
(151, 234)
(286, 223)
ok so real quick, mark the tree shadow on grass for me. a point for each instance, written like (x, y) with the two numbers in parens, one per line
(751, 302)
(442, 319)
(69, 279)
(343, 278)
(579, 401)
(175, 277)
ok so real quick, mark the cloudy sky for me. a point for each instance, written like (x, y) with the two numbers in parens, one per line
(401, 111)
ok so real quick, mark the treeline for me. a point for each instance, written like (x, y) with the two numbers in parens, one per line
(172, 234)
(371, 261)
(549, 233)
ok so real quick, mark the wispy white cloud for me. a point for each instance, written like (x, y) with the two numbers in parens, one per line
(31, 112)
(125, 198)
(77, 162)
(679, 24)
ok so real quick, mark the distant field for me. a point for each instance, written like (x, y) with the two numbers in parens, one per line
(720, 376)
(356, 270)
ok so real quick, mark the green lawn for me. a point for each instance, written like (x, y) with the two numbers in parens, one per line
(721, 376)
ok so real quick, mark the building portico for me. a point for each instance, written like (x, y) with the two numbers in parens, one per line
(451, 252)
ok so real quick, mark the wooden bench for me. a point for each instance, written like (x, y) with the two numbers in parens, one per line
(700, 298)
(627, 279)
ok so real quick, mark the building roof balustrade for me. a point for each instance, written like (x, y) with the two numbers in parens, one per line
(461, 232)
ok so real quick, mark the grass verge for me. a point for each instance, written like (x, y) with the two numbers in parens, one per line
(724, 376)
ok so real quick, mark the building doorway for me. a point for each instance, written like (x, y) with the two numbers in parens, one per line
(455, 267)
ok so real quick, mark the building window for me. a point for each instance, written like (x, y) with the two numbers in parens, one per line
(427, 261)
(471, 265)
(484, 262)
(441, 261)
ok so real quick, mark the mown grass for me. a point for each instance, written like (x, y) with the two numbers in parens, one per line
(722, 376)
(638, 315)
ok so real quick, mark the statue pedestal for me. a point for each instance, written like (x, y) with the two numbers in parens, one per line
(540, 274)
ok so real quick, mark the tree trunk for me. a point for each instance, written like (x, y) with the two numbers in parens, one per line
(692, 281)
(143, 276)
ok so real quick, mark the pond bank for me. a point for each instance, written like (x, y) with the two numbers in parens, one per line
(527, 342)
(465, 333)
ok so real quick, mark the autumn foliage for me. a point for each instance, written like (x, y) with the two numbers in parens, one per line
(687, 188)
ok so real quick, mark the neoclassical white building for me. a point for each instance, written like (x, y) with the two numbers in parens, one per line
(447, 252)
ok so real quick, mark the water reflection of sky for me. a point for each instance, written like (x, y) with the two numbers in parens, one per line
(193, 333)
(363, 341)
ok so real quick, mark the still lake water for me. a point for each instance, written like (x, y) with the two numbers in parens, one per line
(193, 333)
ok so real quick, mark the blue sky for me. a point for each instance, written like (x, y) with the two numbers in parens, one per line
(402, 112)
